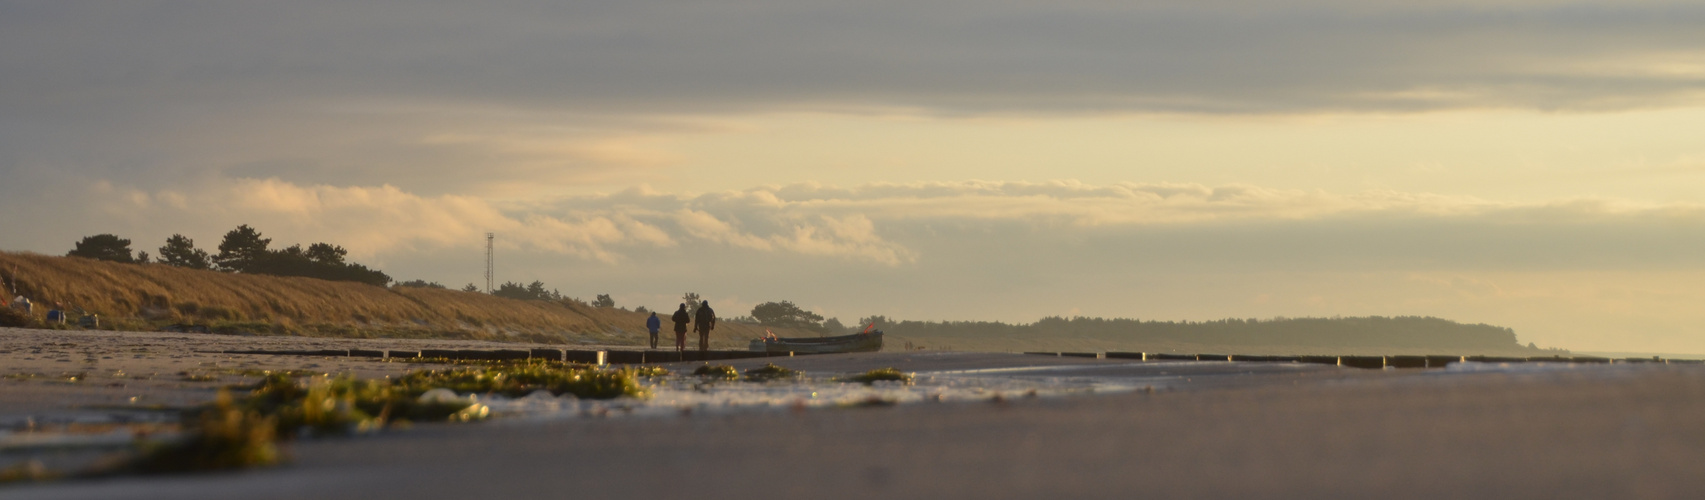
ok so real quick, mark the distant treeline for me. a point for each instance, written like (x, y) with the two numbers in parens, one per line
(243, 250)
(1371, 331)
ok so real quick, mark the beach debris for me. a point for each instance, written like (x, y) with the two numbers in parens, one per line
(27, 471)
(871, 401)
(881, 374)
(770, 372)
(15, 317)
(649, 371)
(188, 376)
(717, 371)
(516, 379)
(442, 395)
(224, 436)
(234, 433)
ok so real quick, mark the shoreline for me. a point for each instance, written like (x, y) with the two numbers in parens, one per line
(1165, 429)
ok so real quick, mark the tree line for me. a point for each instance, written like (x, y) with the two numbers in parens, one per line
(1399, 331)
(242, 250)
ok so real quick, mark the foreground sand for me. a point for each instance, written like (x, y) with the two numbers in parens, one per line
(51, 371)
(1210, 430)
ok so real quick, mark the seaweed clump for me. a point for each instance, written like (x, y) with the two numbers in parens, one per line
(224, 436)
(27, 471)
(770, 372)
(649, 371)
(239, 433)
(881, 374)
(717, 371)
(520, 379)
(344, 405)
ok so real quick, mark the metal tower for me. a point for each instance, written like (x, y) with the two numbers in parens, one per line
(490, 262)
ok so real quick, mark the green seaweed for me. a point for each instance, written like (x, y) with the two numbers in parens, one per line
(717, 371)
(515, 379)
(770, 372)
(881, 374)
(197, 377)
(650, 371)
(237, 433)
(26, 472)
(224, 436)
(345, 405)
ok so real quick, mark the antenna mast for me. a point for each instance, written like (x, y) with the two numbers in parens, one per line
(490, 262)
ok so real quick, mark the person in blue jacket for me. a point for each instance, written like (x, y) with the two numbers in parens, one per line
(653, 324)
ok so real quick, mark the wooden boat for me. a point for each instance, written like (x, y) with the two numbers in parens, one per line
(858, 342)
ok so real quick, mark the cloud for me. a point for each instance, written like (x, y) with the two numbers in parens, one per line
(522, 98)
(1142, 204)
(908, 225)
(1564, 269)
(676, 56)
(381, 220)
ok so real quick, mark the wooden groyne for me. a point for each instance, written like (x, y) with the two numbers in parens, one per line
(642, 356)
(1370, 362)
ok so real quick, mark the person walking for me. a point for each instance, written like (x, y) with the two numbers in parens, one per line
(681, 319)
(704, 321)
(653, 324)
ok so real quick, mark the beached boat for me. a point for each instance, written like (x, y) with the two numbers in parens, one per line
(858, 342)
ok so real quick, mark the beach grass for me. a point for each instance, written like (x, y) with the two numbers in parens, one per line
(147, 297)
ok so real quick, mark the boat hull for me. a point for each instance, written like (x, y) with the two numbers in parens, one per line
(863, 342)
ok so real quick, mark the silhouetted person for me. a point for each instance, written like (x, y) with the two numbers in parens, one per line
(704, 321)
(653, 324)
(681, 319)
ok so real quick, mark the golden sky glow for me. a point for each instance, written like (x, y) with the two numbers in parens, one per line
(1505, 155)
(1534, 164)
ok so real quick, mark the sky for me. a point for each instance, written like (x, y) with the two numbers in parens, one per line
(1532, 164)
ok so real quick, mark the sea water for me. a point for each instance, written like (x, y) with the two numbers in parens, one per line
(686, 394)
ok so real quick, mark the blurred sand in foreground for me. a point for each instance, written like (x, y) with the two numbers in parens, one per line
(1224, 430)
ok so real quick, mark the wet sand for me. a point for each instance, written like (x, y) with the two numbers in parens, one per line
(1207, 430)
(51, 371)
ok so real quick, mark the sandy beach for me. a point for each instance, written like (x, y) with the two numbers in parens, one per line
(1129, 429)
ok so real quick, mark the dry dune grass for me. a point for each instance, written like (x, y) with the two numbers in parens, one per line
(138, 297)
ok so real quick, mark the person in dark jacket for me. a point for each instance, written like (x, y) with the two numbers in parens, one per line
(681, 319)
(703, 322)
(653, 324)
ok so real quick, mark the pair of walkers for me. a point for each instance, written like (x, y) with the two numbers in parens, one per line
(703, 321)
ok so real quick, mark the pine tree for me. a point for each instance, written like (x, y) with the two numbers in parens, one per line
(692, 300)
(241, 249)
(326, 253)
(103, 247)
(180, 251)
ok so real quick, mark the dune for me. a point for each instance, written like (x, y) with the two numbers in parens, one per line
(155, 296)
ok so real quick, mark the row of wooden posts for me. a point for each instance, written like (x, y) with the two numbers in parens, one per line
(668, 356)
(1371, 362)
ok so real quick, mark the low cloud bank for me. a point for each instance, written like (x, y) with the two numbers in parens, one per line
(1576, 273)
(901, 225)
